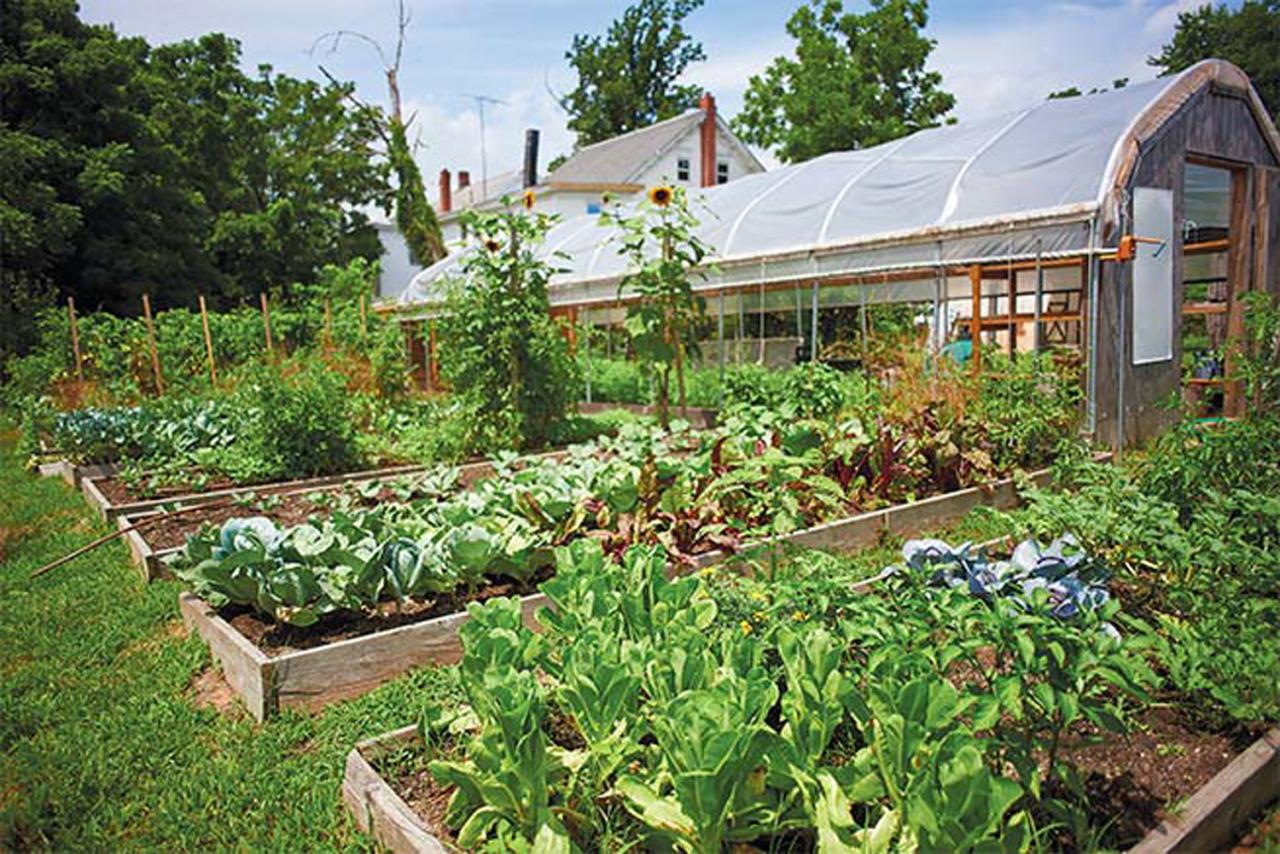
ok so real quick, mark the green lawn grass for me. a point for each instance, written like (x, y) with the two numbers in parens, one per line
(102, 744)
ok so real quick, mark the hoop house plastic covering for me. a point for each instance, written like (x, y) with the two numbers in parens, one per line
(1012, 185)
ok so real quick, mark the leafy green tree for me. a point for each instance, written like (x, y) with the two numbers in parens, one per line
(1248, 36)
(627, 78)
(1075, 92)
(127, 170)
(856, 80)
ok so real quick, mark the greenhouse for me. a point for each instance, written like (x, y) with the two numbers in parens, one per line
(1025, 209)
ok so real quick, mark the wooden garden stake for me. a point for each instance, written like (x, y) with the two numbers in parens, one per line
(151, 342)
(266, 320)
(208, 340)
(75, 337)
(364, 319)
(328, 325)
(975, 322)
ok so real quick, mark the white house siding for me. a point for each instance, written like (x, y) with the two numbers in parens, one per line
(666, 169)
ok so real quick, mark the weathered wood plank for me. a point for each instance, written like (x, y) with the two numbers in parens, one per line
(1211, 818)
(376, 807)
(314, 678)
(247, 670)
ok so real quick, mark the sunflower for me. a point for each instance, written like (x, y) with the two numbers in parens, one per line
(492, 245)
(661, 196)
(528, 200)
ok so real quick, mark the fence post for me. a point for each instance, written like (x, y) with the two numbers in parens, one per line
(75, 337)
(151, 342)
(208, 340)
(266, 321)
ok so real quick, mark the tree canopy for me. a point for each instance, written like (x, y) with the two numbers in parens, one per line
(1248, 36)
(627, 78)
(856, 80)
(127, 169)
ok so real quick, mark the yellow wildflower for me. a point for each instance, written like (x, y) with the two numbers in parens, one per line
(528, 200)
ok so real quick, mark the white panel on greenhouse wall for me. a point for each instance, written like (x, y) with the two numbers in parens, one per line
(1153, 276)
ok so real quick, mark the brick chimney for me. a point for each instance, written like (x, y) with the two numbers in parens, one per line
(708, 139)
(464, 179)
(446, 192)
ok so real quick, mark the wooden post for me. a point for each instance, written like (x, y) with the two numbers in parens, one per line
(975, 322)
(364, 319)
(433, 368)
(266, 321)
(571, 332)
(75, 338)
(1013, 307)
(151, 342)
(1262, 252)
(328, 325)
(1238, 285)
(208, 339)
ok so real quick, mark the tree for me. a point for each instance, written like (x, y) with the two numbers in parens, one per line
(1074, 91)
(627, 79)
(415, 217)
(126, 169)
(856, 80)
(1247, 36)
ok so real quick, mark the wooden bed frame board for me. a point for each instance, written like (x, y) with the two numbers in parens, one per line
(1213, 817)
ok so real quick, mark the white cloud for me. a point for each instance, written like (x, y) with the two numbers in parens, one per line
(1028, 55)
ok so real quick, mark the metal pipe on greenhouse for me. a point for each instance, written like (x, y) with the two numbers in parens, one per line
(720, 334)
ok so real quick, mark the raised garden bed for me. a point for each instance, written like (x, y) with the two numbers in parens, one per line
(75, 473)
(700, 417)
(149, 547)
(403, 812)
(110, 498)
(344, 668)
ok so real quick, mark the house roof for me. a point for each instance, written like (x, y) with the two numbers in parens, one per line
(624, 158)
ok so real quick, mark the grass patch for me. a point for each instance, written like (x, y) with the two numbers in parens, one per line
(102, 742)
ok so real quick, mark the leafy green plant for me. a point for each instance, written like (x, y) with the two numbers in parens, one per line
(662, 324)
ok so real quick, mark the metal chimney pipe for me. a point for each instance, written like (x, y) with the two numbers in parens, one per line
(530, 157)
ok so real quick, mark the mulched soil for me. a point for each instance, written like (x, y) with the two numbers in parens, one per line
(429, 800)
(1136, 781)
(276, 639)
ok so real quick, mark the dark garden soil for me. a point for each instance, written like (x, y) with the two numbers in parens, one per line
(1136, 781)
(290, 510)
(277, 639)
(429, 801)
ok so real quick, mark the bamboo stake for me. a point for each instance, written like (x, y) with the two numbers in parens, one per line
(75, 338)
(208, 340)
(364, 319)
(975, 322)
(266, 320)
(151, 342)
(120, 532)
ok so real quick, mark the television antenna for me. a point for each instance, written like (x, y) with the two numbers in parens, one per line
(481, 100)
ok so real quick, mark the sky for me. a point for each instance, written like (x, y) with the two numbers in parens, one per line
(995, 56)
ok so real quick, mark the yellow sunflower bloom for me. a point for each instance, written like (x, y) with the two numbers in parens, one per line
(661, 196)
(529, 198)
(492, 245)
